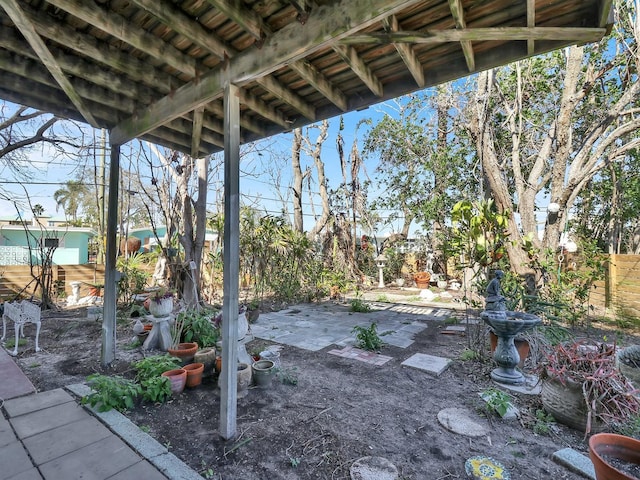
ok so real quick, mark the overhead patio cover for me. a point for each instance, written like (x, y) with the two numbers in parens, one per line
(154, 69)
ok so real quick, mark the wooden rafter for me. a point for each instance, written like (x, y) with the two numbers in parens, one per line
(117, 26)
(168, 14)
(406, 52)
(247, 19)
(320, 83)
(27, 29)
(272, 85)
(351, 57)
(457, 12)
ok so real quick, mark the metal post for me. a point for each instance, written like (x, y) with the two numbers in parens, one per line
(110, 275)
(231, 253)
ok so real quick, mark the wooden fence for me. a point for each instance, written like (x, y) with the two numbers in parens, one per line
(18, 278)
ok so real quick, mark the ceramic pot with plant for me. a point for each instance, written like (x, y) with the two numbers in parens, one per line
(178, 379)
(583, 389)
(614, 457)
(161, 303)
(194, 374)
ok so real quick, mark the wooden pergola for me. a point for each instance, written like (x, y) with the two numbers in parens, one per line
(201, 76)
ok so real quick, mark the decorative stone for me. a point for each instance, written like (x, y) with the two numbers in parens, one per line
(485, 468)
(458, 420)
(373, 468)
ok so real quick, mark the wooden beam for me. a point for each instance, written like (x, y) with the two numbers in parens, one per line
(249, 20)
(318, 81)
(531, 22)
(264, 110)
(27, 29)
(119, 27)
(245, 122)
(505, 34)
(287, 96)
(606, 14)
(173, 17)
(196, 133)
(351, 57)
(457, 12)
(407, 54)
(327, 24)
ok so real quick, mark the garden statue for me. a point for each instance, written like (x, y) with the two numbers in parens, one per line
(429, 263)
(160, 272)
(494, 299)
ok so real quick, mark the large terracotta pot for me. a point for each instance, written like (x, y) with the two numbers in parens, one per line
(605, 446)
(522, 346)
(178, 379)
(194, 374)
(422, 279)
(184, 351)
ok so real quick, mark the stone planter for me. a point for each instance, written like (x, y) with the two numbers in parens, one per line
(567, 404)
(161, 307)
(206, 356)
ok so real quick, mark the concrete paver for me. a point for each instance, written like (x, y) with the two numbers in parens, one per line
(427, 363)
(14, 460)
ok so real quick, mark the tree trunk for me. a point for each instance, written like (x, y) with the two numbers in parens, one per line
(298, 220)
(322, 181)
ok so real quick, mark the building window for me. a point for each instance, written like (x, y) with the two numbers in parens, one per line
(51, 242)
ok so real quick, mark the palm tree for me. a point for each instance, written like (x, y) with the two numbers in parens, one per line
(70, 198)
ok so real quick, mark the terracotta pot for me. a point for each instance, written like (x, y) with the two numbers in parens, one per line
(610, 445)
(147, 327)
(184, 351)
(194, 374)
(522, 346)
(218, 364)
(422, 279)
(178, 378)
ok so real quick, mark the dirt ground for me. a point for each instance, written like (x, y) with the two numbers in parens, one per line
(339, 411)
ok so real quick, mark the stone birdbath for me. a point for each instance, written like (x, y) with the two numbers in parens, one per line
(506, 325)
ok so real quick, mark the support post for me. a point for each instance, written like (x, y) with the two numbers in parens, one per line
(231, 268)
(110, 274)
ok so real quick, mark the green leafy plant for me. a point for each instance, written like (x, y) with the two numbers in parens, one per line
(359, 305)
(111, 392)
(294, 462)
(367, 337)
(497, 400)
(197, 327)
(288, 376)
(156, 389)
(468, 354)
(543, 422)
(154, 366)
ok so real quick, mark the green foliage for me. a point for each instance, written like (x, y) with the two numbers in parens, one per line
(479, 232)
(111, 392)
(288, 376)
(359, 305)
(469, 354)
(367, 337)
(154, 366)
(294, 462)
(382, 298)
(133, 277)
(156, 389)
(543, 422)
(11, 342)
(497, 400)
(198, 327)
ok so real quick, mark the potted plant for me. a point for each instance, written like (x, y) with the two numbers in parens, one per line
(161, 302)
(185, 351)
(422, 279)
(583, 389)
